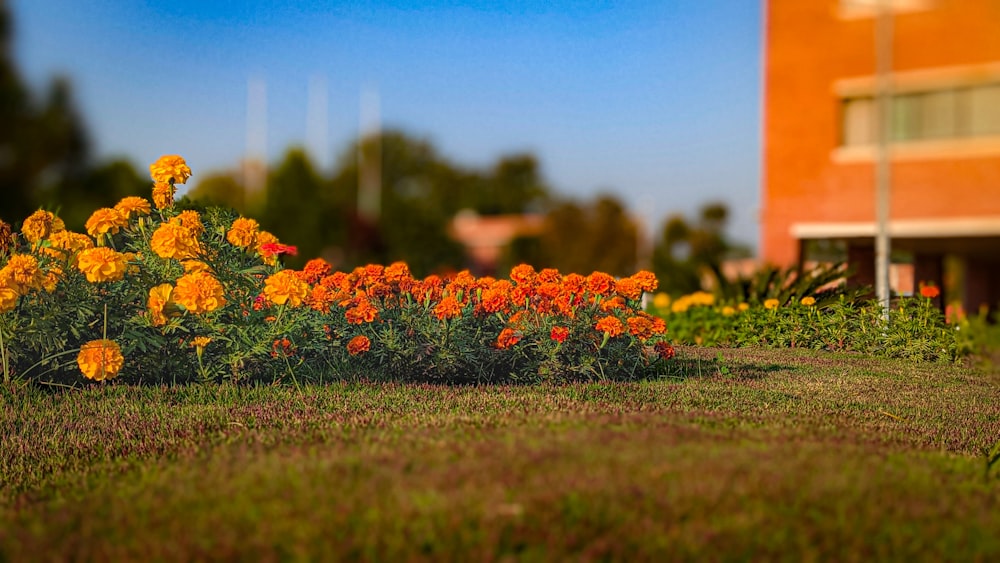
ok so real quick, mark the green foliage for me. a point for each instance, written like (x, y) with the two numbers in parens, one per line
(824, 282)
(688, 251)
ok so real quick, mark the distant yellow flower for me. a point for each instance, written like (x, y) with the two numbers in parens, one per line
(160, 298)
(285, 287)
(171, 240)
(808, 301)
(190, 219)
(169, 168)
(199, 292)
(102, 264)
(163, 195)
(40, 225)
(743, 306)
(133, 206)
(728, 311)
(771, 304)
(243, 233)
(100, 359)
(661, 300)
(105, 220)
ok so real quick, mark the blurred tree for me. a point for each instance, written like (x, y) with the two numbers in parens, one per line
(43, 146)
(102, 186)
(295, 209)
(222, 189)
(513, 186)
(688, 251)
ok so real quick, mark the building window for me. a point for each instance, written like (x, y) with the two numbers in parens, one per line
(851, 9)
(951, 113)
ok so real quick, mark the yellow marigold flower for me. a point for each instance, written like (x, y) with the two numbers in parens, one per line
(285, 287)
(40, 225)
(105, 220)
(191, 266)
(102, 264)
(171, 240)
(359, 345)
(728, 311)
(243, 233)
(133, 206)
(160, 299)
(611, 326)
(169, 169)
(190, 219)
(65, 244)
(52, 279)
(23, 273)
(771, 304)
(163, 195)
(8, 293)
(661, 300)
(199, 292)
(743, 306)
(808, 301)
(100, 359)
(199, 343)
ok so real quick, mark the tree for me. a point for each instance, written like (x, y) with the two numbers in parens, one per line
(687, 251)
(222, 189)
(295, 209)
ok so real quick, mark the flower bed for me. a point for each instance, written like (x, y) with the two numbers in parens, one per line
(153, 293)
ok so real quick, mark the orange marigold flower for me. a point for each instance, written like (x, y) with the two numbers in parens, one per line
(40, 225)
(6, 238)
(448, 308)
(65, 244)
(628, 288)
(191, 266)
(320, 299)
(664, 350)
(496, 297)
(523, 274)
(105, 220)
(771, 304)
(549, 290)
(22, 273)
(172, 240)
(507, 338)
(374, 273)
(133, 206)
(199, 292)
(929, 291)
(646, 280)
(613, 304)
(396, 272)
(808, 301)
(574, 283)
(100, 359)
(169, 169)
(559, 334)
(359, 345)
(285, 287)
(8, 293)
(640, 327)
(610, 326)
(363, 312)
(102, 264)
(189, 218)
(243, 233)
(600, 283)
(52, 278)
(160, 298)
(314, 270)
(549, 275)
(163, 195)
(269, 249)
(199, 343)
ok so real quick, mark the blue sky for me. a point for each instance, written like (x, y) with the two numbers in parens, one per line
(657, 102)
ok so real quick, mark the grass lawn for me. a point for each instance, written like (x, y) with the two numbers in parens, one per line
(742, 454)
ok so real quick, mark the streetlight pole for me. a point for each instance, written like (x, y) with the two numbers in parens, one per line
(883, 169)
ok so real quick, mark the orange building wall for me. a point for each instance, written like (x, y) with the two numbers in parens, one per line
(808, 47)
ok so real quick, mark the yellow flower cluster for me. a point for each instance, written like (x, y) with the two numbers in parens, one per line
(102, 264)
(285, 287)
(199, 292)
(100, 359)
(698, 298)
(173, 240)
(65, 245)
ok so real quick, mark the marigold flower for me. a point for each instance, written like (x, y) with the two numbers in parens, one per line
(133, 206)
(363, 312)
(646, 280)
(243, 233)
(600, 283)
(8, 296)
(172, 240)
(507, 338)
(314, 270)
(615, 303)
(574, 283)
(628, 288)
(320, 299)
(40, 225)
(191, 266)
(496, 297)
(448, 308)
(199, 343)
(743, 306)
(169, 169)
(100, 359)
(160, 298)
(929, 291)
(22, 273)
(199, 292)
(808, 301)
(163, 195)
(610, 325)
(728, 311)
(266, 238)
(396, 272)
(771, 303)
(189, 218)
(523, 274)
(664, 350)
(559, 334)
(285, 287)
(661, 300)
(104, 221)
(359, 345)
(52, 279)
(640, 327)
(65, 244)
(6, 238)
(270, 249)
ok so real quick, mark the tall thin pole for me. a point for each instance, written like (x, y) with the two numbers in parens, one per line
(883, 177)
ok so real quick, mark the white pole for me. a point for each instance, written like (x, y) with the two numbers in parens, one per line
(883, 177)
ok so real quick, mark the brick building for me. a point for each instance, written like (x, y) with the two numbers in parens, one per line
(820, 136)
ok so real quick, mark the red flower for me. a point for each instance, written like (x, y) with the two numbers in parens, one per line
(929, 291)
(507, 338)
(559, 334)
(274, 248)
(664, 349)
(359, 345)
